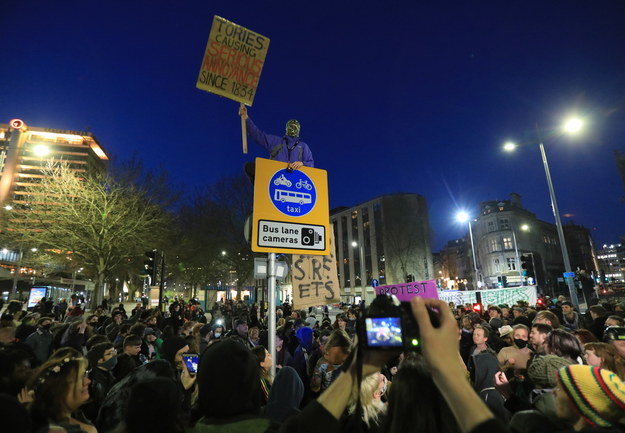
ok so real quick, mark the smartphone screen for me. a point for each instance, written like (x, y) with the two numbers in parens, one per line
(191, 360)
(383, 331)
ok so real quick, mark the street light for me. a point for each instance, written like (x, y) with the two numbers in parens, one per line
(464, 217)
(524, 227)
(362, 263)
(572, 125)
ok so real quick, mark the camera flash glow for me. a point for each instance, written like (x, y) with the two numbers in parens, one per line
(415, 342)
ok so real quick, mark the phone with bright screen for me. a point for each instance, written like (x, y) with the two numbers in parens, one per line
(191, 361)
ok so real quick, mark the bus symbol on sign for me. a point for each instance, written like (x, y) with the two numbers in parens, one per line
(293, 193)
(292, 197)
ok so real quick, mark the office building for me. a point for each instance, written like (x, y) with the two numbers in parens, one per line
(24, 150)
(385, 239)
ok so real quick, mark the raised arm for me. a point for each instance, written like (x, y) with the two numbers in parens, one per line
(440, 349)
(266, 141)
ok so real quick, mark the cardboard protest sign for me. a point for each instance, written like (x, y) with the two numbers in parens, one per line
(315, 279)
(233, 61)
(407, 291)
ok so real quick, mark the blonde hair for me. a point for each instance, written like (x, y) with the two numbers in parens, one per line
(371, 408)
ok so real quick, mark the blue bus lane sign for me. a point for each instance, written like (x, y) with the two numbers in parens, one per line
(291, 209)
(292, 193)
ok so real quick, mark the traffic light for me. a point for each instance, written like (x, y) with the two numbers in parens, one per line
(502, 281)
(528, 266)
(150, 265)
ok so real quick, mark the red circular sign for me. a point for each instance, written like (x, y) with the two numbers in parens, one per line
(16, 123)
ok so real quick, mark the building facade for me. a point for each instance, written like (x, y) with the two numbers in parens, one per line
(455, 265)
(504, 232)
(611, 259)
(385, 239)
(24, 150)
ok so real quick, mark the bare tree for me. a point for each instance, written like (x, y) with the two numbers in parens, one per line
(92, 218)
(211, 243)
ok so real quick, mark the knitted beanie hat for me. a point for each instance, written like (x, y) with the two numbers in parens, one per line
(598, 395)
(544, 369)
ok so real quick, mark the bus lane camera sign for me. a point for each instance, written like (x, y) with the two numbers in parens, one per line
(291, 212)
(233, 60)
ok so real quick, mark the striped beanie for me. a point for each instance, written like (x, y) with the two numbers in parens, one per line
(598, 394)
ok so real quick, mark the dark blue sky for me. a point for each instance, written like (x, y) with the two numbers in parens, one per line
(392, 96)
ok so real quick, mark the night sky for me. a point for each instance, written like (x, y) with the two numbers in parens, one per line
(396, 96)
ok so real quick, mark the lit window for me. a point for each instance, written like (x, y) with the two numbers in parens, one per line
(507, 243)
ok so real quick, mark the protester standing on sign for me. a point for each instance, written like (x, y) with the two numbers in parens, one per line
(288, 148)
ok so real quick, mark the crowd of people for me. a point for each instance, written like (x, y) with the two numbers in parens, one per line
(517, 368)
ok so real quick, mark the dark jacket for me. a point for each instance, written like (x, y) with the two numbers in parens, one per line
(483, 367)
(101, 382)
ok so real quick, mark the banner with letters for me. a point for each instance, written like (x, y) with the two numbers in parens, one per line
(233, 60)
(407, 291)
(315, 279)
(508, 296)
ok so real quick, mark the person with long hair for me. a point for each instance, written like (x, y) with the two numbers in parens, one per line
(373, 409)
(60, 386)
(604, 355)
(564, 344)
(413, 381)
(264, 364)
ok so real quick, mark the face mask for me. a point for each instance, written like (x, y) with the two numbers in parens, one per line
(109, 364)
(292, 128)
(520, 343)
(217, 334)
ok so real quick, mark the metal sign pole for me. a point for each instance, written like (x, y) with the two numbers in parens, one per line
(271, 283)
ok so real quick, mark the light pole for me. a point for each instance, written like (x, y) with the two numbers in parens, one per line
(464, 217)
(571, 126)
(524, 227)
(361, 253)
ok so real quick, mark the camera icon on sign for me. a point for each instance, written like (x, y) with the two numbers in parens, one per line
(310, 237)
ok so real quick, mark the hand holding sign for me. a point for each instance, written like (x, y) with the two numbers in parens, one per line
(243, 112)
(232, 63)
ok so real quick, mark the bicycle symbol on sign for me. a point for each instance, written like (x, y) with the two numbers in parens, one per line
(283, 181)
(303, 183)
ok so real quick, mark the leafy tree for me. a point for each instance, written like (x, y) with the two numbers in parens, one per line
(94, 218)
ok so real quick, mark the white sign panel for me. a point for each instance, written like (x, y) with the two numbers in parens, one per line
(277, 234)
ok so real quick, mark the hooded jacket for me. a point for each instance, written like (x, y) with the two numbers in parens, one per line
(483, 367)
(300, 358)
(291, 148)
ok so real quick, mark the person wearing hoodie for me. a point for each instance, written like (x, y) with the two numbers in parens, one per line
(300, 357)
(285, 396)
(482, 367)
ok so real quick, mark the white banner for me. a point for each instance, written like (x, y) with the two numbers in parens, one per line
(508, 296)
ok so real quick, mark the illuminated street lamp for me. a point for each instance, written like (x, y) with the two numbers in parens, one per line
(464, 217)
(362, 271)
(572, 125)
(525, 228)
